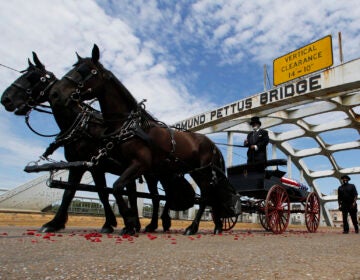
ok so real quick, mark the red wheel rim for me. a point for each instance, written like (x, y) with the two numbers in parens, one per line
(312, 212)
(277, 209)
(229, 223)
(262, 216)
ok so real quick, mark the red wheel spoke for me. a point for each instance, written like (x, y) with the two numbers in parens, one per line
(312, 212)
(277, 209)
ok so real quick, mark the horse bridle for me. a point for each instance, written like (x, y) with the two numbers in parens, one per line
(80, 83)
(48, 79)
(79, 93)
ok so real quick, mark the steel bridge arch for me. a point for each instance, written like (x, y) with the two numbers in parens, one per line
(337, 93)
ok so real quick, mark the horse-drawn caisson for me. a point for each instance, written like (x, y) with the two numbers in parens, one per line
(124, 139)
(270, 195)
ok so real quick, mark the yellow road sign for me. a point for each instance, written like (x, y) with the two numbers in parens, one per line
(308, 59)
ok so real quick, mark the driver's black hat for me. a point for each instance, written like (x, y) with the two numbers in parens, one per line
(255, 120)
(345, 177)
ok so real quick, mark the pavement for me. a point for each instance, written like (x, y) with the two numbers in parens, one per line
(247, 252)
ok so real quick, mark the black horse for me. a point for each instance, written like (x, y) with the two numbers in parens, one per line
(146, 144)
(32, 89)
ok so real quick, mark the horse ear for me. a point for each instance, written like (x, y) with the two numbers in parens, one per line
(30, 63)
(95, 55)
(37, 61)
(78, 57)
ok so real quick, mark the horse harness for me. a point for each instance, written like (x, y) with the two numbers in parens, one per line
(77, 130)
(135, 126)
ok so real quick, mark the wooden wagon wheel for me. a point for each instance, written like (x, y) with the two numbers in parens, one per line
(312, 212)
(262, 216)
(229, 223)
(277, 209)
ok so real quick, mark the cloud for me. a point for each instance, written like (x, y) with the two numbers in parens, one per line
(170, 52)
(132, 59)
(18, 149)
(55, 30)
(273, 28)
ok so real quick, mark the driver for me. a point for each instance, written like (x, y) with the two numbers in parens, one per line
(256, 142)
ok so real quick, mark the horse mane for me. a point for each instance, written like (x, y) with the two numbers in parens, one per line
(129, 98)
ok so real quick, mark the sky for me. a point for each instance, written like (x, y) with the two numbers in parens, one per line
(185, 57)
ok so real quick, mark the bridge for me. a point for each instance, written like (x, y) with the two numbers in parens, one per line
(314, 110)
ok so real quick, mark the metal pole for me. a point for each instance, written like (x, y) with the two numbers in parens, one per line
(265, 87)
(273, 156)
(302, 176)
(340, 49)
(289, 162)
(229, 152)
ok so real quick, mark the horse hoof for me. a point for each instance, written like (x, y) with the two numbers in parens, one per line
(217, 231)
(150, 228)
(107, 229)
(166, 223)
(166, 228)
(128, 231)
(45, 229)
(190, 231)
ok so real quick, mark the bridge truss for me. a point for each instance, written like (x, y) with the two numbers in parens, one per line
(321, 111)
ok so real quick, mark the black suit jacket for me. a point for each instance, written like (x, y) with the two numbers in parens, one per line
(347, 194)
(259, 138)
